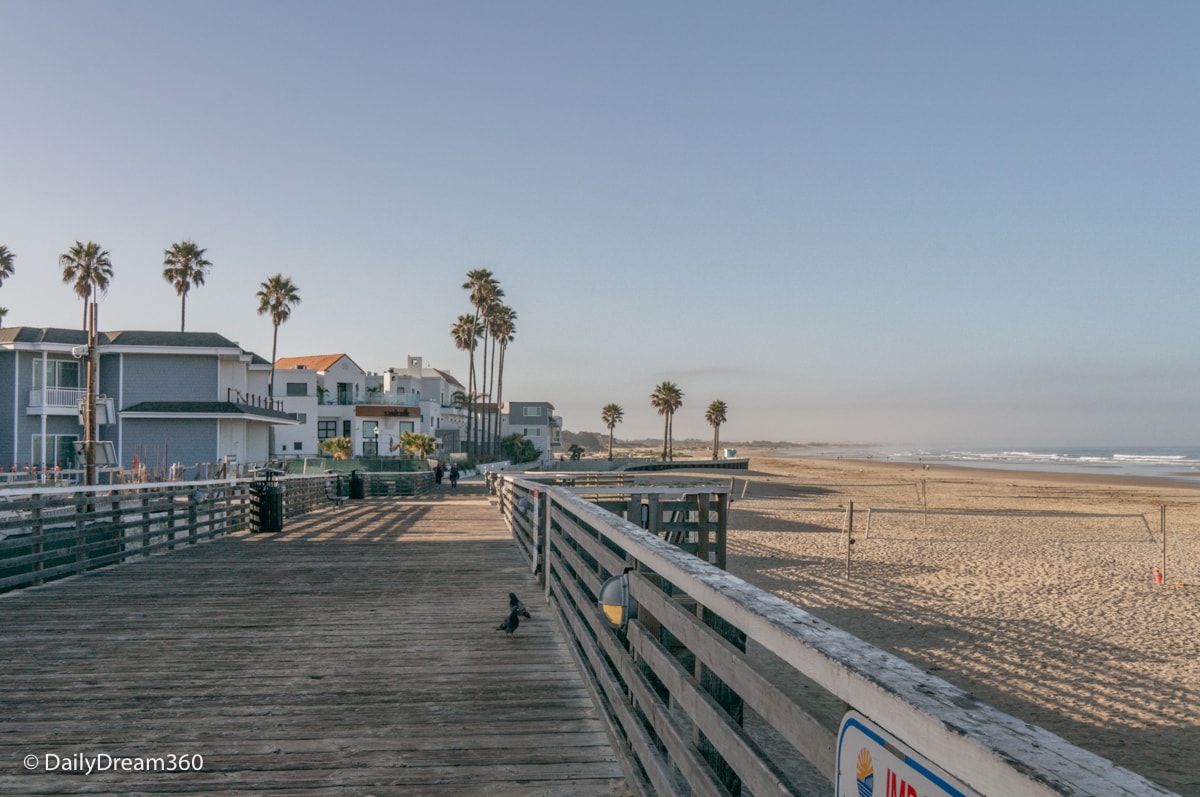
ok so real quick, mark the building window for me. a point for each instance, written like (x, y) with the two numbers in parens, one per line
(531, 412)
(60, 450)
(59, 374)
(297, 388)
(300, 417)
(347, 428)
(298, 446)
(326, 429)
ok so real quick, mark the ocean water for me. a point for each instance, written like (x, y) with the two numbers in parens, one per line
(1180, 462)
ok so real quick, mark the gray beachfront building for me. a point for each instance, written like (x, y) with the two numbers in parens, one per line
(182, 398)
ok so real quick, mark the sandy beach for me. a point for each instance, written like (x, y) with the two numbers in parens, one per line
(1034, 591)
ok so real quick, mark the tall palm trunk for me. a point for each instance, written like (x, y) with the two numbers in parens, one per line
(499, 396)
(274, 344)
(473, 417)
(494, 426)
(472, 393)
(671, 434)
(182, 311)
(666, 433)
(487, 396)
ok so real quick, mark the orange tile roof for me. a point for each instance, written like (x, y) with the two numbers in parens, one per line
(317, 362)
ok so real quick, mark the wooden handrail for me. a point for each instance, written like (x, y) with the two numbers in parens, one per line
(694, 623)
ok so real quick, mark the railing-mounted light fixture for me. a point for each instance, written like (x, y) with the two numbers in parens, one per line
(615, 602)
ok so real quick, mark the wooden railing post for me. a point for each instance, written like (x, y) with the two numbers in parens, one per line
(702, 526)
(116, 531)
(82, 505)
(547, 543)
(145, 525)
(723, 500)
(192, 518)
(36, 548)
(170, 496)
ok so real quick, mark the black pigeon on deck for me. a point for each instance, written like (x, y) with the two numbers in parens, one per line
(509, 626)
(515, 605)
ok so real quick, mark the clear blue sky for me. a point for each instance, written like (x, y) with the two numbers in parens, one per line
(933, 222)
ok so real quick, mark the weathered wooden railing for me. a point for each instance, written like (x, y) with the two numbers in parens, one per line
(716, 685)
(690, 514)
(49, 533)
(397, 484)
(52, 533)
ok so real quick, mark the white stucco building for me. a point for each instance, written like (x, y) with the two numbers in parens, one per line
(330, 395)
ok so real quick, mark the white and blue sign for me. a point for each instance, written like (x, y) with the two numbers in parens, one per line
(872, 763)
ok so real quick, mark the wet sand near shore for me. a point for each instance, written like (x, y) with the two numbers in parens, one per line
(1034, 591)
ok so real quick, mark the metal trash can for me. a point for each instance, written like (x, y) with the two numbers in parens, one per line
(357, 485)
(266, 502)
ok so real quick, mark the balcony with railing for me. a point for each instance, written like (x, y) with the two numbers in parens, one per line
(55, 400)
(234, 396)
(328, 398)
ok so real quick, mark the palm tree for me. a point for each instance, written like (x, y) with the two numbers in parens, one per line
(490, 297)
(465, 332)
(277, 296)
(416, 444)
(612, 414)
(185, 267)
(715, 415)
(6, 264)
(3, 312)
(485, 290)
(667, 398)
(503, 323)
(90, 269)
(337, 447)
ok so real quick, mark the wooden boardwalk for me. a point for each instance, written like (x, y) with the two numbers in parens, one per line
(352, 654)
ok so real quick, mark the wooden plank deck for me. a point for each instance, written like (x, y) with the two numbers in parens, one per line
(352, 654)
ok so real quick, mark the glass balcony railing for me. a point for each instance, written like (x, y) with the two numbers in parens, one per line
(377, 399)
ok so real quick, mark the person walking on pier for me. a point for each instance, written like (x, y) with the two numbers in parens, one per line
(453, 475)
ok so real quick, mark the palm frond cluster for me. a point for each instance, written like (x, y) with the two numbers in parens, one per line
(276, 297)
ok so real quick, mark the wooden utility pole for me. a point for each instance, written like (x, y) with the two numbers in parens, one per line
(89, 415)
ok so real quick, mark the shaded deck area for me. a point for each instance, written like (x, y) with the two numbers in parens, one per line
(354, 653)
